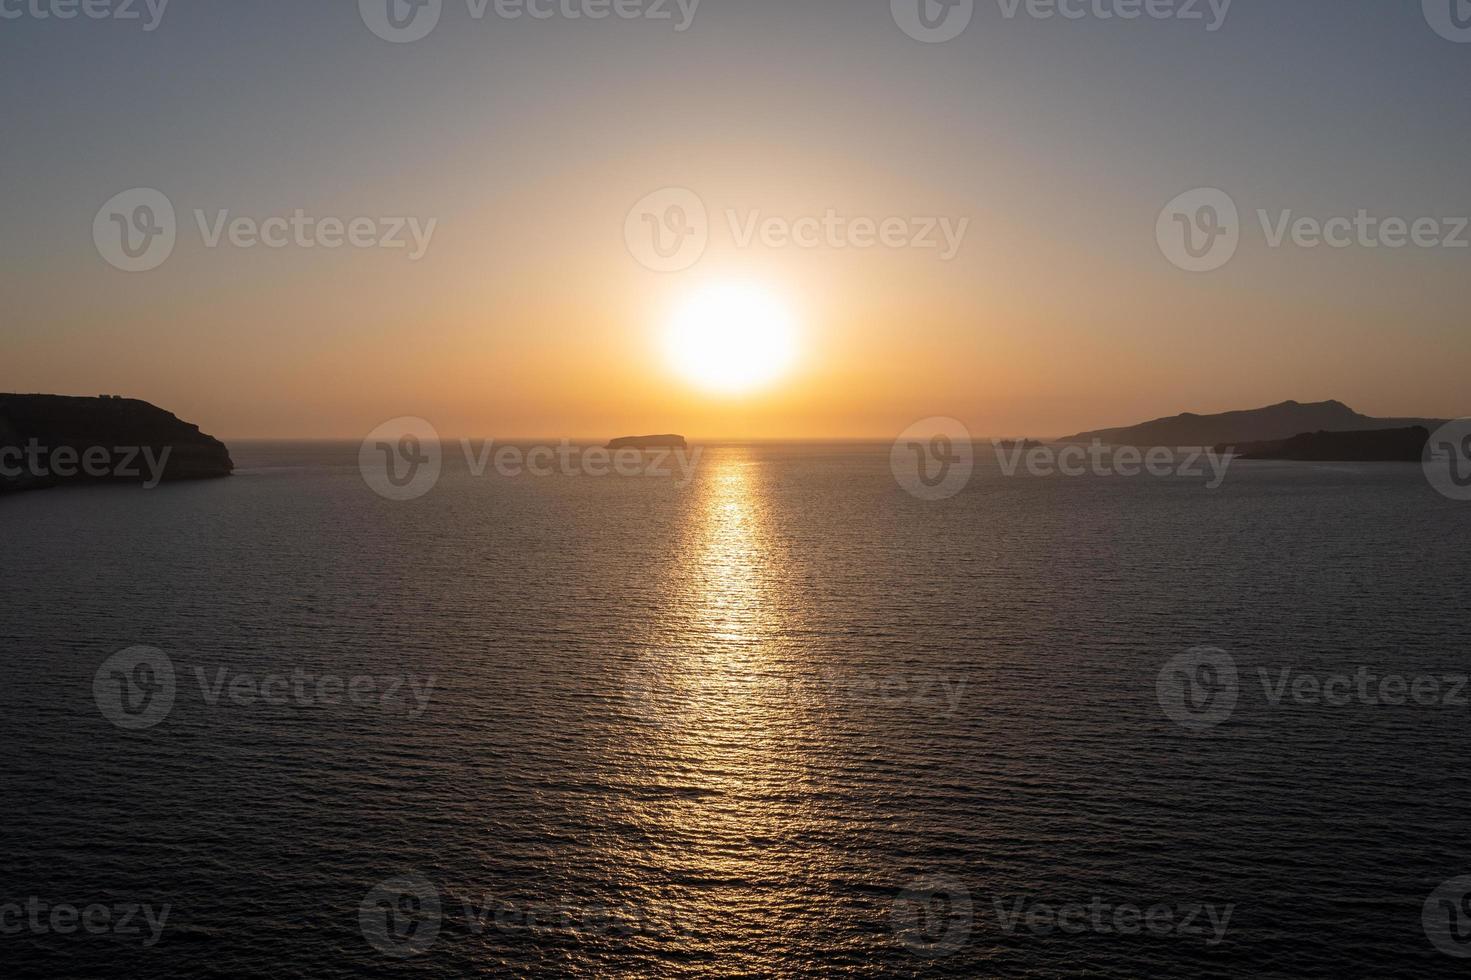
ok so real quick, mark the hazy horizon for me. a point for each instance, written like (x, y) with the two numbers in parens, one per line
(729, 439)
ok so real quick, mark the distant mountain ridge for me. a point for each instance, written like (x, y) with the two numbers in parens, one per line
(1271, 424)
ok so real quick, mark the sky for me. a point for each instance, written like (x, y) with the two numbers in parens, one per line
(530, 144)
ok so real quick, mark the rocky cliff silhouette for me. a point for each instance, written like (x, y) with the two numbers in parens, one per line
(51, 440)
(1273, 423)
(1405, 445)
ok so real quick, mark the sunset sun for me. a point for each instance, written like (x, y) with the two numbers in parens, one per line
(731, 337)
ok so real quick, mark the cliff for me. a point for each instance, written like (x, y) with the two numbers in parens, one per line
(1273, 423)
(1405, 445)
(51, 440)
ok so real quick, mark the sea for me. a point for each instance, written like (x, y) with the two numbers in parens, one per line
(777, 717)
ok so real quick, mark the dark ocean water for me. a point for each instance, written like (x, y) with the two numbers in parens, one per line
(786, 720)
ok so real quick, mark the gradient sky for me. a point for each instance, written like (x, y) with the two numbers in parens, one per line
(529, 141)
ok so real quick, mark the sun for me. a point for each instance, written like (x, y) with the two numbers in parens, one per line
(731, 337)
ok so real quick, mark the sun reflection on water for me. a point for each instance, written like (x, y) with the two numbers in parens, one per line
(728, 564)
(721, 651)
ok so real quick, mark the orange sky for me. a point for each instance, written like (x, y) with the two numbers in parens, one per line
(529, 316)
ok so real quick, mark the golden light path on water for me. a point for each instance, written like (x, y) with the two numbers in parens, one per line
(730, 615)
(729, 738)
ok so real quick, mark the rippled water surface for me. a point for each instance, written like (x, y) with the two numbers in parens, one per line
(785, 720)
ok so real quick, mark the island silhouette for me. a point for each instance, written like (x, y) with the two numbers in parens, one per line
(54, 440)
(1273, 423)
(648, 442)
